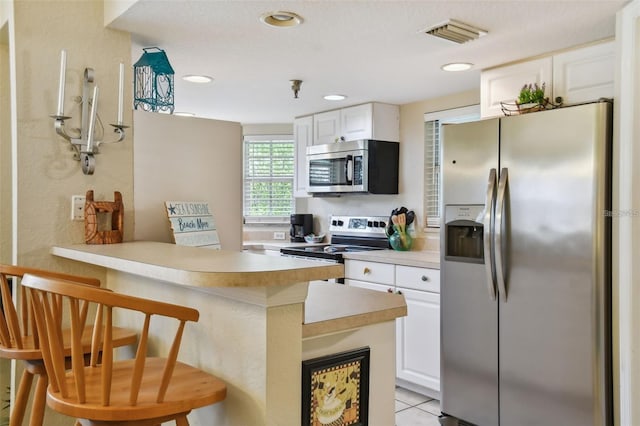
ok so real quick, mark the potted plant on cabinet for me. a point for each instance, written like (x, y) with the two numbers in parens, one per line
(531, 98)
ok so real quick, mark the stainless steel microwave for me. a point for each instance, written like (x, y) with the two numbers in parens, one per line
(362, 166)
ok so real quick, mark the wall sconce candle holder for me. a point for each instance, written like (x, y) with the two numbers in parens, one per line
(86, 140)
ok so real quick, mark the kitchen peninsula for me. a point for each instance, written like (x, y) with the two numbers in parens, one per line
(259, 319)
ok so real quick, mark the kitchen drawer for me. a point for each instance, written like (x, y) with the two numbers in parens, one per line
(418, 278)
(382, 273)
(369, 286)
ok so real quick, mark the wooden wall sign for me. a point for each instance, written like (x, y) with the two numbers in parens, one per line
(192, 224)
(92, 233)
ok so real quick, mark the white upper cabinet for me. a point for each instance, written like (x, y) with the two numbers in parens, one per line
(503, 84)
(356, 122)
(585, 74)
(580, 75)
(303, 137)
(326, 127)
(367, 121)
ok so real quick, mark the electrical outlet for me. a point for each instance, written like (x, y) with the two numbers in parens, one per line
(77, 207)
(278, 235)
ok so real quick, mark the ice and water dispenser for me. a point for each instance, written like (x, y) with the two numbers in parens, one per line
(464, 233)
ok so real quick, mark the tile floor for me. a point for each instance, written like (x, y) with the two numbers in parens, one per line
(413, 409)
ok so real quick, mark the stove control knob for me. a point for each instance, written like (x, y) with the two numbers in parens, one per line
(370, 224)
(334, 222)
(376, 224)
(382, 224)
(340, 223)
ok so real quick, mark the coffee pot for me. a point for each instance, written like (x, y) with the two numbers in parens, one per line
(301, 225)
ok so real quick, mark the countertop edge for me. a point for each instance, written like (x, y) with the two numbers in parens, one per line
(420, 258)
(351, 322)
(331, 308)
(195, 278)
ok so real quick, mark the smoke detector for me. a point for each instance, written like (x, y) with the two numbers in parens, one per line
(456, 31)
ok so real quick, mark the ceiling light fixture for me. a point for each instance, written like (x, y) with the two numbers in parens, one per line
(456, 31)
(295, 86)
(335, 97)
(192, 78)
(184, 114)
(456, 66)
(281, 19)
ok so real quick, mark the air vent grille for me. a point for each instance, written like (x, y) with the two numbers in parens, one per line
(456, 31)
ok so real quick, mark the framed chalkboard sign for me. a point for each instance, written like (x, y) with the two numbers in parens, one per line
(192, 224)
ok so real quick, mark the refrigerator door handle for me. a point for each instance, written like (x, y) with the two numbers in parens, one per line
(488, 232)
(499, 221)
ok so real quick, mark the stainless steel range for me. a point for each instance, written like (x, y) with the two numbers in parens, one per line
(348, 234)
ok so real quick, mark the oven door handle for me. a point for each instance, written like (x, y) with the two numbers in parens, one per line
(348, 169)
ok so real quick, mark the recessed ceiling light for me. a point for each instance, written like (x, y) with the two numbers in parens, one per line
(335, 97)
(197, 78)
(184, 114)
(281, 19)
(457, 66)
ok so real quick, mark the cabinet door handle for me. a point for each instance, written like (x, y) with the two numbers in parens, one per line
(425, 278)
(398, 292)
(366, 271)
(389, 290)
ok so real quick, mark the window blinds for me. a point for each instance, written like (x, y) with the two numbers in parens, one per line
(432, 172)
(268, 180)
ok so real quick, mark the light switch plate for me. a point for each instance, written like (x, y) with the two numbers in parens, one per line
(77, 207)
(278, 235)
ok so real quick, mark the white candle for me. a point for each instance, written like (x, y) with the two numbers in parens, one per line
(121, 95)
(63, 70)
(92, 119)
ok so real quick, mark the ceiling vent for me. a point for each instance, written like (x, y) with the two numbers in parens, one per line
(456, 31)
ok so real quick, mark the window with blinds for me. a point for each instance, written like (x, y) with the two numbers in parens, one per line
(433, 122)
(432, 172)
(268, 179)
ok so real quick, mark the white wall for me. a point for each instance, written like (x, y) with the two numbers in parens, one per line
(267, 129)
(45, 173)
(411, 179)
(187, 159)
(5, 188)
(626, 226)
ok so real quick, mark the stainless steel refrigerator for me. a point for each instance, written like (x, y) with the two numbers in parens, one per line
(525, 264)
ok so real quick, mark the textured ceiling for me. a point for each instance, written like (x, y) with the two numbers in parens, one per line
(367, 50)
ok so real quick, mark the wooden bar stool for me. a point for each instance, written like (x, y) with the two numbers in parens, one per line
(18, 340)
(144, 391)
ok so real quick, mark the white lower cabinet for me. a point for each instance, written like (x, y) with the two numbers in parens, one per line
(417, 334)
(418, 340)
(370, 286)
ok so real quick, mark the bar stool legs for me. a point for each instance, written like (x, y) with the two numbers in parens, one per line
(22, 396)
(39, 400)
(31, 370)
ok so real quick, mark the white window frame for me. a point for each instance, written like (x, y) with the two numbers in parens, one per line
(265, 220)
(433, 158)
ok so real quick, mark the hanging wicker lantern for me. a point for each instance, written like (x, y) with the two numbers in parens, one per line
(153, 81)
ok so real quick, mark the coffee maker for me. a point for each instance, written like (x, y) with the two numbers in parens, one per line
(301, 225)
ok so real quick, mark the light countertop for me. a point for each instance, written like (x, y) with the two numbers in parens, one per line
(328, 307)
(331, 308)
(273, 244)
(420, 259)
(200, 267)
